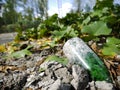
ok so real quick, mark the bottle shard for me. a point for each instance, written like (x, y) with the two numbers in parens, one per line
(78, 52)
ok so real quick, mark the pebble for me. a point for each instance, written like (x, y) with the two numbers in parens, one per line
(56, 85)
(117, 58)
(81, 78)
(103, 85)
(118, 81)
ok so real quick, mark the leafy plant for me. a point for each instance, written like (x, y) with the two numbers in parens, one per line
(21, 53)
(96, 29)
(102, 21)
(112, 47)
(72, 18)
(100, 4)
(86, 21)
(64, 33)
(63, 61)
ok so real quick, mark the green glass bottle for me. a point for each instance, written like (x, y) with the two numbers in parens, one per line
(78, 52)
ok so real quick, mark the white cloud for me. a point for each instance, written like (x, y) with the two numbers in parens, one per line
(66, 7)
(52, 11)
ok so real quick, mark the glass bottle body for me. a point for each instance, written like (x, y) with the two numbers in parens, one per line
(78, 52)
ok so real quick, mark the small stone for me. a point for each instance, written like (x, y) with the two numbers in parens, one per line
(118, 81)
(30, 79)
(117, 58)
(65, 87)
(75, 84)
(92, 85)
(45, 83)
(48, 64)
(103, 85)
(42, 74)
(57, 66)
(92, 88)
(2, 75)
(44, 65)
(56, 85)
(64, 74)
(100, 45)
(81, 78)
(30, 63)
(90, 42)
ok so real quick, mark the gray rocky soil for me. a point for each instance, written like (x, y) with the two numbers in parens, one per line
(34, 73)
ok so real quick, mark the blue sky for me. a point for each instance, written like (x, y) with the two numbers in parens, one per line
(66, 6)
(117, 1)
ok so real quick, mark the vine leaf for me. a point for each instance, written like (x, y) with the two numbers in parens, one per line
(87, 20)
(63, 61)
(64, 32)
(110, 50)
(96, 29)
(112, 46)
(113, 41)
(21, 53)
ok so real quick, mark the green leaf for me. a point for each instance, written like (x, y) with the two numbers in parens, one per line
(112, 46)
(64, 32)
(21, 53)
(109, 19)
(96, 13)
(63, 61)
(110, 50)
(87, 20)
(100, 4)
(72, 33)
(96, 29)
(112, 41)
(58, 34)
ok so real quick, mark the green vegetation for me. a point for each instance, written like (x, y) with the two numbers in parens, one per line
(111, 47)
(103, 21)
(21, 53)
(63, 61)
(21, 14)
